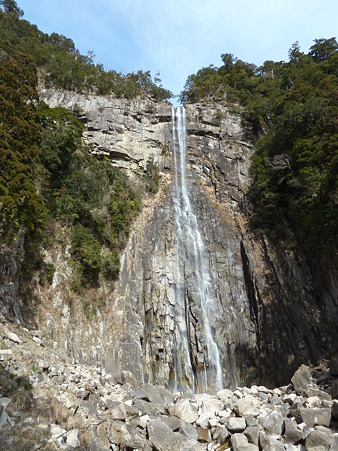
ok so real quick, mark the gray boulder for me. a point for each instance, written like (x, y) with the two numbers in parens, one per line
(272, 423)
(318, 441)
(302, 377)
(292, 433)
(314, 417)
(162, 438)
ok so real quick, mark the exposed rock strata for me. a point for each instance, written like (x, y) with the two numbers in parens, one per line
(274, 315)
(129, 132)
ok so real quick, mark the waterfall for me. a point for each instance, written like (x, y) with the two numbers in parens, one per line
(197, 365)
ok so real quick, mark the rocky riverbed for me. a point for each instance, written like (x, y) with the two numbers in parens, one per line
(49, 401)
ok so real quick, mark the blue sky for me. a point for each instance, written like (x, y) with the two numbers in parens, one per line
(178, 37)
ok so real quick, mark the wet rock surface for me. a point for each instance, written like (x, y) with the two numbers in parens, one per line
(40, 409)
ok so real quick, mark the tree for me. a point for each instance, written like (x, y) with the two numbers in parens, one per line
(294, 52)
(323, 48)
(11, 7)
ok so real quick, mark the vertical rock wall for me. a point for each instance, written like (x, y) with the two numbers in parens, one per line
(273, 310)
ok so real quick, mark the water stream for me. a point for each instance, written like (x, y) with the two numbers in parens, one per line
(195, 369)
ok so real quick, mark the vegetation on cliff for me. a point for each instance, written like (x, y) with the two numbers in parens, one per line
(293, 107)
(46, 174)
(62, 65)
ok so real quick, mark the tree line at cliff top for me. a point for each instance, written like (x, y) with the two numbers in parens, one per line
(293, 107)
(61, 64)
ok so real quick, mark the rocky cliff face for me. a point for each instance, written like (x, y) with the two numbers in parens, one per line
(270, 313)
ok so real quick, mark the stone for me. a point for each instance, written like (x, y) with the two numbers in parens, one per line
(313, 401)
(224, 413)
(192, 445)
(334, 389)
(187, 430)
(333, 367)
(166, 395)
(292, 433)
(245, 406)
(302, 377)
(203, 435)
(334, 409)
(212, 422)
(162, 438)
(334, 444)
(252, 433)
(171, 421)
(118, 412)
(185, 410)
(236, 424)
(4, 401)
(203, 420)
(313, 417)
(42, 363)
(220, 434)
(82, 393)
(269, 443)
(57, 433)
(239, 442)
(224, 394)
(6, 419)
(318, 441)
(212, 406)
(73, 438)
(272, 423)
(144, 421)
(13, 337)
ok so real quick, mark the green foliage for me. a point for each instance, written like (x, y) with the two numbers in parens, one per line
(87, 194)
(151, 176)
(86, 250)
(62, 65)
(22, 207)
(111, 265)
(11, 7)
(293, 107)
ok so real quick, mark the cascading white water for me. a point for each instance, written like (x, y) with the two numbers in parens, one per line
(190, 371)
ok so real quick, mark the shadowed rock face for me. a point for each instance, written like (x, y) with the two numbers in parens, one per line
(271, 310)
(269, 315)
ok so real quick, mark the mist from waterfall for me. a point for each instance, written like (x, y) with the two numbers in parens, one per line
(197, 369)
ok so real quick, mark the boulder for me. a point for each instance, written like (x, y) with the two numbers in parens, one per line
(269, 443)
(212, 406)
(313, 417)
(334, 389)
(185, 410)
(292, 433)
(119, 412)
(236, 424)
(203, 420)
(203, 435)
(187, 430)
(239, 442)
(245, 405)
(318, 441)
(73, 438)
(220, 434)
(334, 410)
(13, 337)
(252, 433)
(302, 377)
(224, 394)
(333, 367)
(272, 423)
(334, 444)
